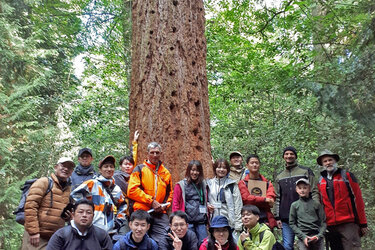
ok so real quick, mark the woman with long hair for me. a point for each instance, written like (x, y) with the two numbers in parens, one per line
(220, 236)
(190, 196)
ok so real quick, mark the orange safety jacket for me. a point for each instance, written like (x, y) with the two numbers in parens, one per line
(148, 183)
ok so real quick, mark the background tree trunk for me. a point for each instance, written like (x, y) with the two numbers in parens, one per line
(169, 92)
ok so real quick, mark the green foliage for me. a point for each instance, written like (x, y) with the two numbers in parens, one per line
(37, 43)
(300, 73)
(285, 73)
(96, 113)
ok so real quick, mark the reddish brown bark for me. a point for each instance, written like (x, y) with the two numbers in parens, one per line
(169, 92)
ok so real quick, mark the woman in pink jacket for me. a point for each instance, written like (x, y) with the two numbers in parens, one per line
(190, 196)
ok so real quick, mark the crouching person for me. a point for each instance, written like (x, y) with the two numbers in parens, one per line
(181, 238)
(137, 238)
(255, 235)
(81, 234)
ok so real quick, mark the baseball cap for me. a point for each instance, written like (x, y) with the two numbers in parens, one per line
(303, 180)
(108, 158)
(234, 153)
(84, 150)
(66, 160)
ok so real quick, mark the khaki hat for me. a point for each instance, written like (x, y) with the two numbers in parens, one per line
(326, 152)
(235, 153)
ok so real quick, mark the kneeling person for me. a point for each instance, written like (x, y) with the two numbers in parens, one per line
(81, 234)
(255, 236)
(137, 238)
(180, 236)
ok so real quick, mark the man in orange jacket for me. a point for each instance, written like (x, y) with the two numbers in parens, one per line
(150, 187)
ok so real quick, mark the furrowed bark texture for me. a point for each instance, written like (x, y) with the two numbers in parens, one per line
(169, 92)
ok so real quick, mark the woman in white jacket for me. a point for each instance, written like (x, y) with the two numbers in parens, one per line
(224, 196)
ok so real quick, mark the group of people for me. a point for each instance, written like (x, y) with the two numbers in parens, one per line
(129, 207)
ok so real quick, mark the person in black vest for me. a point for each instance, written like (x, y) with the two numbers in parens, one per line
(81, 233)
(190, 196)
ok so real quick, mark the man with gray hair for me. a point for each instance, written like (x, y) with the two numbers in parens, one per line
(150, 188)
(343, 204)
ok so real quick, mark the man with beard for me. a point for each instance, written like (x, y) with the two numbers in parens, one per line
(81, 234)
(285, 189)
(84, 170)
(343, 204)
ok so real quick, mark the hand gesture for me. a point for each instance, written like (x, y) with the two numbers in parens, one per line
(136, 135)
(244, 235)
(177, 242)
(218, 246)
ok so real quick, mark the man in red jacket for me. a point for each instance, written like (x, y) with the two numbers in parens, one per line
(343, 204)
(263, 202)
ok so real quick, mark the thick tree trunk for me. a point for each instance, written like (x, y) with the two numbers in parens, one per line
(169, 92)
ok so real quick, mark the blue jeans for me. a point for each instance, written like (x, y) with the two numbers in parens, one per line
(200, 231)
(288, 237)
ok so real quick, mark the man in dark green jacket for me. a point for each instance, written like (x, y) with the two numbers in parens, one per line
(285, 189)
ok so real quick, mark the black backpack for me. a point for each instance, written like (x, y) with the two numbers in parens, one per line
(20, 211)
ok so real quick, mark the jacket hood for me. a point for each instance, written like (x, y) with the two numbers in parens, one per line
(84, 170)
(106, 182)
(224, 180)
(128, 240)
(121, 173)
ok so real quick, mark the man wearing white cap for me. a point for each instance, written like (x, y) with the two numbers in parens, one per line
(43, 209)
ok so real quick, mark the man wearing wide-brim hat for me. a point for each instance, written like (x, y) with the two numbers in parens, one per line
(343, 204)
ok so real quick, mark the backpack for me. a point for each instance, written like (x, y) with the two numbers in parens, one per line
(20, 211)
(350, 191)
(276, 246)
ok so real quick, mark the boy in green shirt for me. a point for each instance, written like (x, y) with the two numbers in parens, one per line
(307, 218)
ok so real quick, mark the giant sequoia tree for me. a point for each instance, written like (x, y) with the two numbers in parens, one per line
(169, 93)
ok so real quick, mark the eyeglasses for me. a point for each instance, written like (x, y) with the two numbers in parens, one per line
(179, 225)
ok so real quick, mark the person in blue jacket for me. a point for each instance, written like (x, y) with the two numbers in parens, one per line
(84, 170)
(137, 238)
